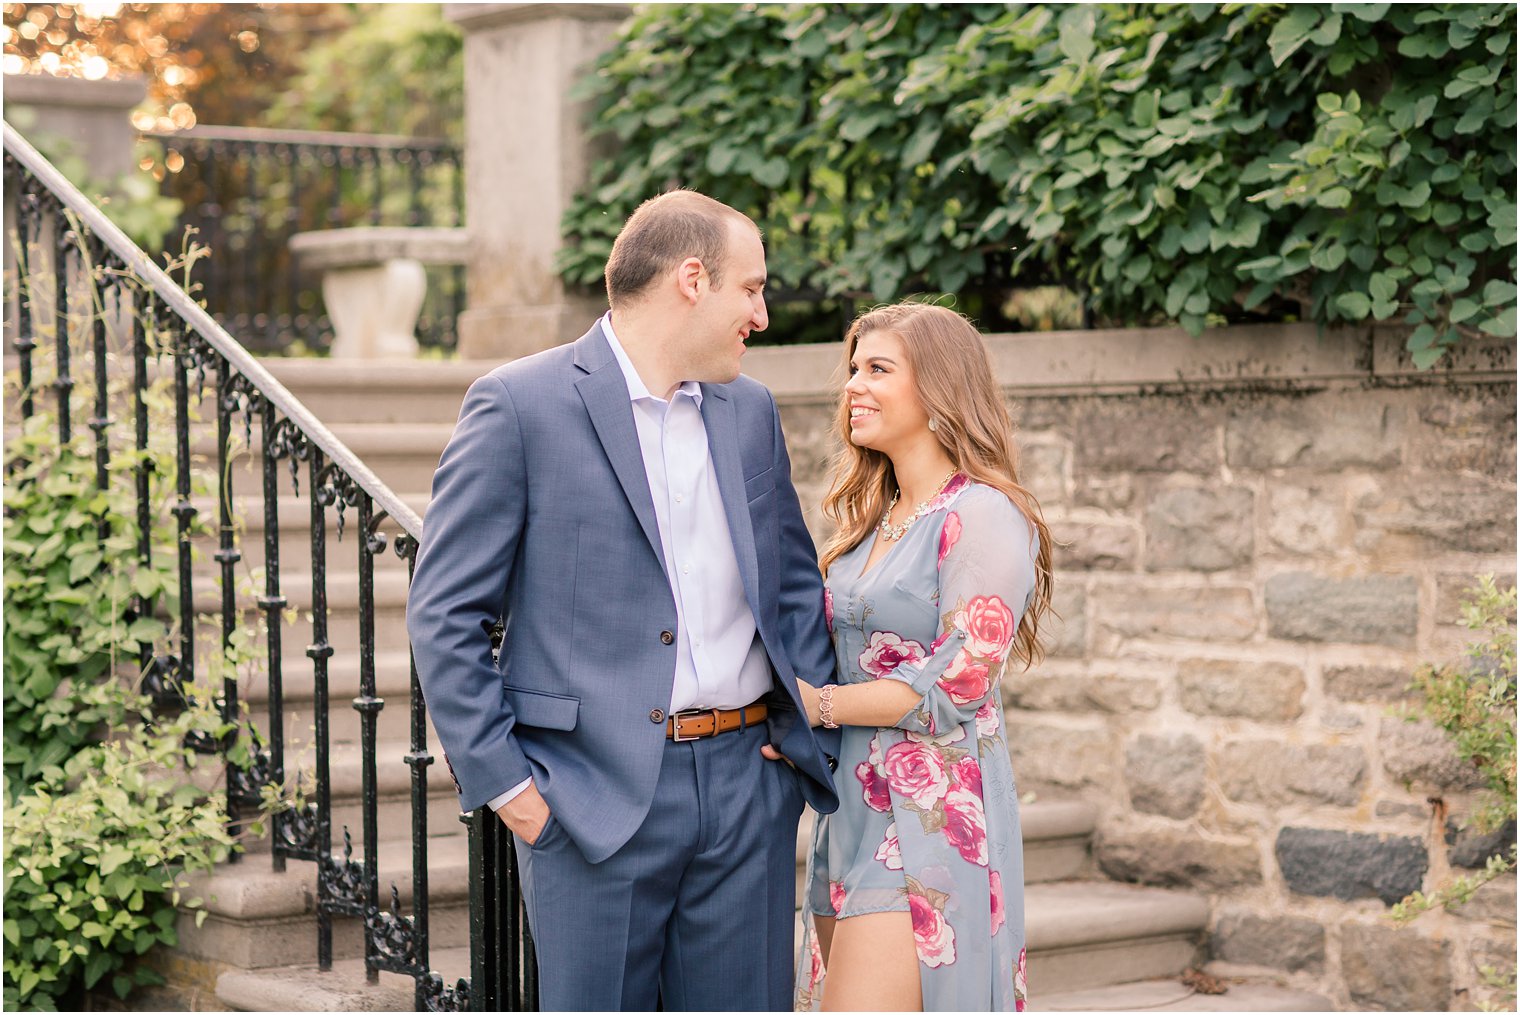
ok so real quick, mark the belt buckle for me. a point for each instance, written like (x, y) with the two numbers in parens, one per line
(675, 724)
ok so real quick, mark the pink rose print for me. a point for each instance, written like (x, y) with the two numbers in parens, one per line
(965, 680)
(932, 934)
(917, 771)
(873, 787)
(989, 625)
(890, 850)
(999, 916)
(828, 607)
(949, 536)
(836, 895)
(886, 652)
(967, 774)
(1020, 984)
(987, 719)
(934, 645)
(815, 975)
(966, 825)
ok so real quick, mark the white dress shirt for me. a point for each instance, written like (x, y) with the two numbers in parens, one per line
(720, 661)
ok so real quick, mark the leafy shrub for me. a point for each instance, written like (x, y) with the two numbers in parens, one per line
(96, 852)
(108, 804)
(1474, 702)
(1196, 163)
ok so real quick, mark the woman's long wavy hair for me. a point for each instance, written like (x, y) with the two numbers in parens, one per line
(953, 378)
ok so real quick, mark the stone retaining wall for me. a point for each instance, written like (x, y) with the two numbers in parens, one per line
(1266, 531)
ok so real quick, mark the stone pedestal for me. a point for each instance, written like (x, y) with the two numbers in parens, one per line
(525, 155)
(92, 119)
(373, 283)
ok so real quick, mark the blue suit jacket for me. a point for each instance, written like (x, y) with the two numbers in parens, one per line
(541, 514)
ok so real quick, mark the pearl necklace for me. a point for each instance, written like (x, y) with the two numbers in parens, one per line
(892, 533)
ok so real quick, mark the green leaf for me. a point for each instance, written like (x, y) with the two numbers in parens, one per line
(772, 172)
(1289, 34)
(1424, 359)
(1354, 305)
(1501, 325)
(1078, 23)
(1462, 309)
(1335, 197)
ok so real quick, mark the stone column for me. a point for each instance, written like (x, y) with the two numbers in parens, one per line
(526, 153)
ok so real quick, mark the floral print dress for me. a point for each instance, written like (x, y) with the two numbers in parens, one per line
(928, 819)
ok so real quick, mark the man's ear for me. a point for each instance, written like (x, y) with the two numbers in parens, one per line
(689, 276)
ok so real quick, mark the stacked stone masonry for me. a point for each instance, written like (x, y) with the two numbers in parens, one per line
(1251, 570)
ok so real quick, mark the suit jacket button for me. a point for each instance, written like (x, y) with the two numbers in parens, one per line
(656, 715)
(666, 638)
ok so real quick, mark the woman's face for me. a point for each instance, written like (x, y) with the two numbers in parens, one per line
(885, 413)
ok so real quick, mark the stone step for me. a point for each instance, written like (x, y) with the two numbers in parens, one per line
(1057, 839)
(393, 789)
(1173, 995)
(342, 608)
(342, 988)
(404, 456)
(1088, 934)
(392, 684)
(293, 517)
(1117, 931)
(258, 918)
(379, 391)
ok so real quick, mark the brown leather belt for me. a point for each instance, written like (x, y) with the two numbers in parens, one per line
(695, 724)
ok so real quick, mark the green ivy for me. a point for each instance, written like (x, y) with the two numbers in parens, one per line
(69, 617)
(1170, 162)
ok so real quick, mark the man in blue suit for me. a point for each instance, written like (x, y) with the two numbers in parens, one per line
(625, 504)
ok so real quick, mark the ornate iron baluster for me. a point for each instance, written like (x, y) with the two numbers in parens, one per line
(146, 309)
(101, 421)
(184, 511)
(273, 605)
(63, 240)
(368, 706)
(418, 759)
(320, 651)
(227, 556)
(28, 209)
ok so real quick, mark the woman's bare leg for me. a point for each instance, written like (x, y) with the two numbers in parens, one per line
(872, 965)
(823, 930)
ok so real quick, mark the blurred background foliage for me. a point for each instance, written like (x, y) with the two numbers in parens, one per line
(1198, 164)
(381, 68)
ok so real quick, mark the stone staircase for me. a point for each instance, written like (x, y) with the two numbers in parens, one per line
(1094, 944)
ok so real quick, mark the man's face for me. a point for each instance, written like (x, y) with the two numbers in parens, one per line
(725, 316)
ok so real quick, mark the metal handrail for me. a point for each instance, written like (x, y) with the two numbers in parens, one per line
(193, 314)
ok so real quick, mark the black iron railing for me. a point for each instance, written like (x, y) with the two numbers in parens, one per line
(60, 239)
(248, 190)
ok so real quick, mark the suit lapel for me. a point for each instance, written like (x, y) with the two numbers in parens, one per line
(605, 393)
(720, 418)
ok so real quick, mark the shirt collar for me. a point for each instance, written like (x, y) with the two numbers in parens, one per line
(637, 389)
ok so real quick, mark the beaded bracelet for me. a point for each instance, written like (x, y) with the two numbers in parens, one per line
(826, 707)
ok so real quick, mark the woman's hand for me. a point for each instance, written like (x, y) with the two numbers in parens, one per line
(809, 695)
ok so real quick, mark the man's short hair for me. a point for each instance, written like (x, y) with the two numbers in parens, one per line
(664, 231)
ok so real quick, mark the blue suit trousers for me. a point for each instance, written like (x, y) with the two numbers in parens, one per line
(696, 912)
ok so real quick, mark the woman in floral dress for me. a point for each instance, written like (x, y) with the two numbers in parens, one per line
(936, 578)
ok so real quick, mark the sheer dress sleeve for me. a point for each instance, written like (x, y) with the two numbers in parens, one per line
(986, 576)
